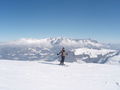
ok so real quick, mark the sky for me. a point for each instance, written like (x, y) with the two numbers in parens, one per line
(81, 19)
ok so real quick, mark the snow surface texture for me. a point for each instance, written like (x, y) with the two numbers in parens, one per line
(79, 50)
(41, 75)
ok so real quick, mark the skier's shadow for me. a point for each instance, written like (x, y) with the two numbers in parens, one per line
(48, 63)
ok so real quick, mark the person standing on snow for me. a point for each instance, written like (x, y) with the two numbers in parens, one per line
(63, 54)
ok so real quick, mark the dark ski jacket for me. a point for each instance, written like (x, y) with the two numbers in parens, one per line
(62, 53)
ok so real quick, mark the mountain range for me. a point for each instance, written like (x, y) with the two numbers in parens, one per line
(79, 50)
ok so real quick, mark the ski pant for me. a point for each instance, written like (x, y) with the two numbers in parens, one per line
(62, 59)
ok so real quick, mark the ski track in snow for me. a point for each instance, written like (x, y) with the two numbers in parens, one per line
(41, 75)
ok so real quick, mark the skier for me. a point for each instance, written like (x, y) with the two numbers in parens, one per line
(63, 54)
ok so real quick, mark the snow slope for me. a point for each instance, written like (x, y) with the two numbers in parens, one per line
(114, 60)
(40, 75)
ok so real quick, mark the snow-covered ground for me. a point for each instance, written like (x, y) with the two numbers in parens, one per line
(41, 75)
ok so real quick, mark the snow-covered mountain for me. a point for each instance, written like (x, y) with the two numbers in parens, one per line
(79, 50)
(115, 46)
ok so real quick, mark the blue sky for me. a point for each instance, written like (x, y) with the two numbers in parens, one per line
(95, 19)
